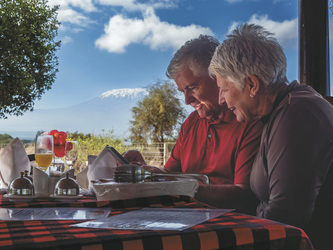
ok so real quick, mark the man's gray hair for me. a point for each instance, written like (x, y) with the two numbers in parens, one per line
(195, 54)
(250, 50)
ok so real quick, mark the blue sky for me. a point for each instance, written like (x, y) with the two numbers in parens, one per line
(111, 44)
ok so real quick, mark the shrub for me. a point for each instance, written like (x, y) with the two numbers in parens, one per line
(5, 139)
(91, 144)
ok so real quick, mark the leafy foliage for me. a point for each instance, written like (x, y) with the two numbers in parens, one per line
(5, 139)
(330, 5)
(90, 144)
(28, 63)
(158, 116)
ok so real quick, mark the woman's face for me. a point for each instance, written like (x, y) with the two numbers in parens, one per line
(238, 101)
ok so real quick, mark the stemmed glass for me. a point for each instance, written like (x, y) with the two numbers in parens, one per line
(44, 149)
(72, 151)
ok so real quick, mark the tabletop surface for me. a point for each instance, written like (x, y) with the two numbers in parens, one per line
(229, 231)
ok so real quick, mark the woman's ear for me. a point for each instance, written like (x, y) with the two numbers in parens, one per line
(253, 84)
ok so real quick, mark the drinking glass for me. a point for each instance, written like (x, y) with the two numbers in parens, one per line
(44, 151)
(72, 151)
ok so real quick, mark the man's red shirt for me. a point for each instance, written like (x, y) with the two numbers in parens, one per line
(223, 149)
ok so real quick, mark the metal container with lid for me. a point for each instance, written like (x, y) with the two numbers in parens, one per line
(66, 186)
(26, 175)
(21, 186)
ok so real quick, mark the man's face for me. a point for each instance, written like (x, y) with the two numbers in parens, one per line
(201, 92)
(236, 99)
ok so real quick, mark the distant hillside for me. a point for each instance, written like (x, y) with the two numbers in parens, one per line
(111, 110)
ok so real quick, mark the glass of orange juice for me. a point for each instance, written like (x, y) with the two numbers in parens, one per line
(44, 151)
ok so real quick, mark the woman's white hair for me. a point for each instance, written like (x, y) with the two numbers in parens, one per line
(250, 50)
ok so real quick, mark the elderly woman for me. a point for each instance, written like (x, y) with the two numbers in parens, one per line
(292, 174)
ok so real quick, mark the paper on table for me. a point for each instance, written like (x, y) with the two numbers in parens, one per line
(157, 219)
(60, 213)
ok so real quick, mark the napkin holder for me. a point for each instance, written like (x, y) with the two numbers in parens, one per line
(45, 181)
(101, 166)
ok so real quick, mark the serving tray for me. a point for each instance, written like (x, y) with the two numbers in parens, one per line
(110, 190)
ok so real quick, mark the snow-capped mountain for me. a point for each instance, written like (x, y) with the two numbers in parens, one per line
(130, 93)
(109, 111)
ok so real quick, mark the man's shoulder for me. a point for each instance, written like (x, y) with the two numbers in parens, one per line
(193, 121)
(192, 118)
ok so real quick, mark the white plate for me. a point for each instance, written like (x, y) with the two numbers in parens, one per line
(66, 197)
(22, 198)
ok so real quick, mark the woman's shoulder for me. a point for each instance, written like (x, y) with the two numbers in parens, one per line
(305, 99)
(303, 108)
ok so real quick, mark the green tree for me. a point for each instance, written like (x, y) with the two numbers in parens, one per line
(330, 5)
(158, 116)
(5, 139)
(28, 63)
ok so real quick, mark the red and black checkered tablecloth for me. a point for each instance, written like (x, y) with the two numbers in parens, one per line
(230, 231)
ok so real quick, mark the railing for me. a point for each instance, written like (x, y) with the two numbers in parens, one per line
(155, 154)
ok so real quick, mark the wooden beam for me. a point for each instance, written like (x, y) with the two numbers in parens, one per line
(314, 61)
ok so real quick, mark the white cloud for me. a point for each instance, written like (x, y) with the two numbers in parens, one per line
(133, 5)
(239, 1)
(86, 5)
(121, 32)
(233, 1)
(286, 32)
(129, 5)
(66, 39)
(67, 15)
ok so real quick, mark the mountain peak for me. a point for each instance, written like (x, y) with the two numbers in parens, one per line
(126, 92)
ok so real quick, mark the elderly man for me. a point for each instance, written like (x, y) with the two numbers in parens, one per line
(211, 141)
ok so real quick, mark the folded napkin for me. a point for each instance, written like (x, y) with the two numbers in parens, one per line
(99, 167)
(13, 160)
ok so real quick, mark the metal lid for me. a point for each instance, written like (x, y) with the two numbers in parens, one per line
(21, 186)
(27, 176)
(67, 186)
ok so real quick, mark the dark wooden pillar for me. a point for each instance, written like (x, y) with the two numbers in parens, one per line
(314, 65)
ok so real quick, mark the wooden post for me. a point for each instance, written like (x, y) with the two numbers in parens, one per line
(314, 66)
(165, 153)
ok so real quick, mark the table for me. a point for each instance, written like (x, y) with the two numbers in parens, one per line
(229, 231)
